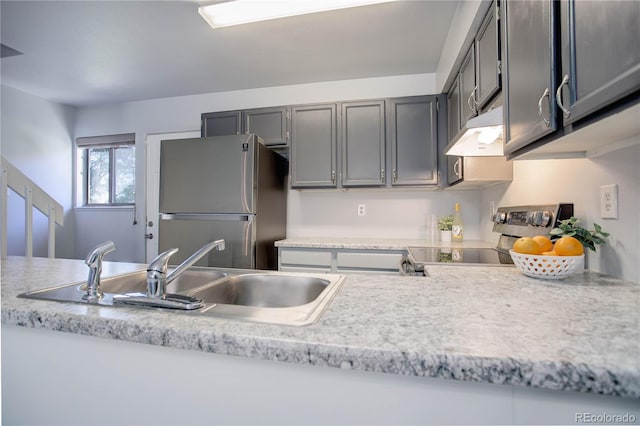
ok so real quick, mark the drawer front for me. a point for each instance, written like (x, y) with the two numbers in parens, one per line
(308, 270)
(370, 261)
(305, 257)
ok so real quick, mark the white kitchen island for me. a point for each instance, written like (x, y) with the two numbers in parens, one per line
(476, 345)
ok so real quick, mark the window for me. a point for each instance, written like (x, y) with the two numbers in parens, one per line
(109, 164)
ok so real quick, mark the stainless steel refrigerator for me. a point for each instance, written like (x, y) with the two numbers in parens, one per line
(230, 187)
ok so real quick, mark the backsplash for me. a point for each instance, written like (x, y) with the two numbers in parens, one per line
(389, 213)
(578, 181)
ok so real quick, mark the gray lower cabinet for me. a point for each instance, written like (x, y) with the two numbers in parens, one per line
(599, 67)
(363, 143)
(313, 146)
(529, 72)
(413, 139)
(487, 45)
(343, 261)
(270, 124)
(221, 123)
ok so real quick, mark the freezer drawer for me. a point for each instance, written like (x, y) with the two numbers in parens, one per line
(189, 233)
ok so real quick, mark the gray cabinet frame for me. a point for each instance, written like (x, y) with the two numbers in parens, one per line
(529, 71)
(221, 123)
(598, 69)
(487, 44)
(413, 139)
(467, 86)
(313, 146)
(271, 124)
(363, 143)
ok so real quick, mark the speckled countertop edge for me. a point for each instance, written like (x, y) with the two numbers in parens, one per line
(375, 243)
(465, 323)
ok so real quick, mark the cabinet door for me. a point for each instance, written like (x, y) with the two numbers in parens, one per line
(529, 72)
(221, 123)
(487, 58)
(454, 169)
(453, 109)
(468, 86)
(601, 54)
(270, 124)
(363, 143)
(413, 137)
(313, 146)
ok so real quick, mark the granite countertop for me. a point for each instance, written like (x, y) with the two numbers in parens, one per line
(375, 243)
(484, 324)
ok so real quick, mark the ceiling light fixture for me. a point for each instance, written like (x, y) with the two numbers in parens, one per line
(237, 12)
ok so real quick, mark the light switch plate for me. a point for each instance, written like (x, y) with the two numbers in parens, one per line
(609, 201)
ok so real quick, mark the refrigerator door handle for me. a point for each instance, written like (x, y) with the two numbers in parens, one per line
(204, 216)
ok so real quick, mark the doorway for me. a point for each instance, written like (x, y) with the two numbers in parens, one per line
(152, 190)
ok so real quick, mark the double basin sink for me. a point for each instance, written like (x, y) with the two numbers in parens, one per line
(259, 296)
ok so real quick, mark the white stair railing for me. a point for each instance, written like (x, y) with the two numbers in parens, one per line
(34, 196)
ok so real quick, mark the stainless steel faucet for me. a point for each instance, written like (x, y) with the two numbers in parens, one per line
(157, 278)
(94, 262)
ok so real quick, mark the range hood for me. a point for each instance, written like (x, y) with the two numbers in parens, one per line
(481, 136)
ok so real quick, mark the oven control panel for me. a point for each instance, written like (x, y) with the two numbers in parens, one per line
(524, 221)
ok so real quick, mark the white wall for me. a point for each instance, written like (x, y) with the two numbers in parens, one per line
(37, 137)
(389, 213)
(183, 114)
(578, 181)
(466, 20)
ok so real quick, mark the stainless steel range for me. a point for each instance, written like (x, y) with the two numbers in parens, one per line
(510, 222)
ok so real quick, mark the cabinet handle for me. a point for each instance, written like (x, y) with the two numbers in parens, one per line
(473, 106)
(382, 175)
(456, 167)
(544, 95)
(395, 175)
(565, 81)
(333, 176)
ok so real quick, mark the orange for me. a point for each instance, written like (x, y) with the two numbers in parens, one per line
(568, 246)
(544, 243)
(526, 245)
(549, 253)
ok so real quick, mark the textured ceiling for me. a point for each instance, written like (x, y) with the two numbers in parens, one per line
(95, 52)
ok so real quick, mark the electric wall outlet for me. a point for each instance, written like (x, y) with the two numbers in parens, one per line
(362, 209)
(609, 201)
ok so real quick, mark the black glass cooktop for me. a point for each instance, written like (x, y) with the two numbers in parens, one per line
(473, 256)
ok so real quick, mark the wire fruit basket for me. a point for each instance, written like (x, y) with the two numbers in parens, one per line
(547, 267)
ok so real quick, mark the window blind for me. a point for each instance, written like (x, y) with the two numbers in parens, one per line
(106, 141)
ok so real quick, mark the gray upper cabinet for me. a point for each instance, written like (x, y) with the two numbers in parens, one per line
(599, 67)
(221, 123)
(270, 124)
(529, 72)
(454, 173)
(488, 59)
(467, 82)
(363, 143)
(453, 110)
(413, 136)
(313, 145)
(560, 76)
